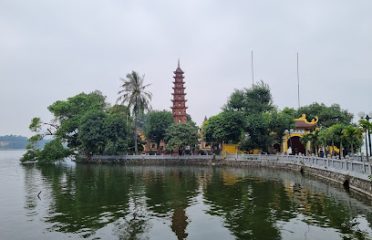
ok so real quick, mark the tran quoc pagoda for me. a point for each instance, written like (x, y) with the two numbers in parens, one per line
(179, 100)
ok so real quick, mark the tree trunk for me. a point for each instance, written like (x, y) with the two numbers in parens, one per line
(135, 135)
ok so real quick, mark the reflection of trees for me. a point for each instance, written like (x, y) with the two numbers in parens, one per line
(247, 206)
(135, 223)
(171, 190)
(324, 211)
(87, 198)
(251, 208)
(32, 189)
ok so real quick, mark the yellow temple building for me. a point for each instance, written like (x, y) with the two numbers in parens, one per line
(291, 143)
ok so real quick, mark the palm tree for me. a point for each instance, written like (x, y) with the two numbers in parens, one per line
(336, 134)
(314, 139)
(367, 127)
(135, 94)
(353, 136)
(307, 138)
(324, 139)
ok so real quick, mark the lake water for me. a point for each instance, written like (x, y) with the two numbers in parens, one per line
(117, 202)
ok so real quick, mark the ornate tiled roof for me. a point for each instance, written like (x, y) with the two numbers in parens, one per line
(302, 123)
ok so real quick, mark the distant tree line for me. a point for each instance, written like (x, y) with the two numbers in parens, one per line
(8, 142)
(13, 142)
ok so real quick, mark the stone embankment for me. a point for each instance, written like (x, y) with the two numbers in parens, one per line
(351, 174)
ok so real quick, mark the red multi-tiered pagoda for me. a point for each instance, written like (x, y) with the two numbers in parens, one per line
(179, 101)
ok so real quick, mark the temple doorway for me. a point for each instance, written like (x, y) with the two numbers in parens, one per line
(296, 145)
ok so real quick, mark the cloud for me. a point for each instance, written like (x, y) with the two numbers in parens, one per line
(54, 49)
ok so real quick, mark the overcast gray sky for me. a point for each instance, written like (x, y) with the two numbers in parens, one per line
(54, 49)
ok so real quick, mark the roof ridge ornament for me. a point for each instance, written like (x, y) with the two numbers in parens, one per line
(302, 122)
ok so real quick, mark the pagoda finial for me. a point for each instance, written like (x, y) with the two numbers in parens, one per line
(178, 70)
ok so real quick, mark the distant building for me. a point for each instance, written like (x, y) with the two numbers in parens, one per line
(179, 100)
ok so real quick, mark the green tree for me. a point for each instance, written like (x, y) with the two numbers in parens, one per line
(314, 139)
(353, 137)
(156, 124)
(225, 127)
(52, 151)
(179, 136)
(236, 101)
(257, 132)
(249, 118)
(116, 133)
(68, 115)
(103, 133)
(279, 121)
(85, 124)
(254, 100)
(328, 116)
(135, 94)
(92, 133)
(335, 132)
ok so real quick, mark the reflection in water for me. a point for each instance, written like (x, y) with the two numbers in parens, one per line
(135, 224)
(171, 190)
(135, 202)
(32, 181)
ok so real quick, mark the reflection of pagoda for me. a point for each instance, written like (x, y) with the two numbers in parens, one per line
(179, 101)
(179, 223)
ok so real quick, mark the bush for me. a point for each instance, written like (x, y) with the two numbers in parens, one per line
(53, 150)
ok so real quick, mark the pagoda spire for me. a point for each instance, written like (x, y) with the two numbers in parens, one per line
(179, 101)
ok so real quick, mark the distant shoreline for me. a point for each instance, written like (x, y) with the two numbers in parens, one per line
(12, 149)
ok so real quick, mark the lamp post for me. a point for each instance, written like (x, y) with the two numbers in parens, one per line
(362, 115)
(365, 140)
(369, 135)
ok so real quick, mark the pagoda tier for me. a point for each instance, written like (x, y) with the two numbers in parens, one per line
(179, 101)
(179, 108)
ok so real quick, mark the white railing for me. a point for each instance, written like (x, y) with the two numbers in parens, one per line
(153, 157)
(345, 166)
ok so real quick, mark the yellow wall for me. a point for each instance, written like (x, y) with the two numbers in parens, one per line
(230, 148)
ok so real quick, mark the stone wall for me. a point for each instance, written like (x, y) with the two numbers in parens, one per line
(349, 181)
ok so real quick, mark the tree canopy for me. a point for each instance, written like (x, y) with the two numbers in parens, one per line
(249, 118)
(327, 116)
(156, 125)
(256, 99)
(225, 127)
(82, 124)
(180, 136)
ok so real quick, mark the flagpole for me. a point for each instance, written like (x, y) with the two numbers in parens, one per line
(252, 67)
(298, 83)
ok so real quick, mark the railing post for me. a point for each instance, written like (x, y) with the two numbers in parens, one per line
(346, 168)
